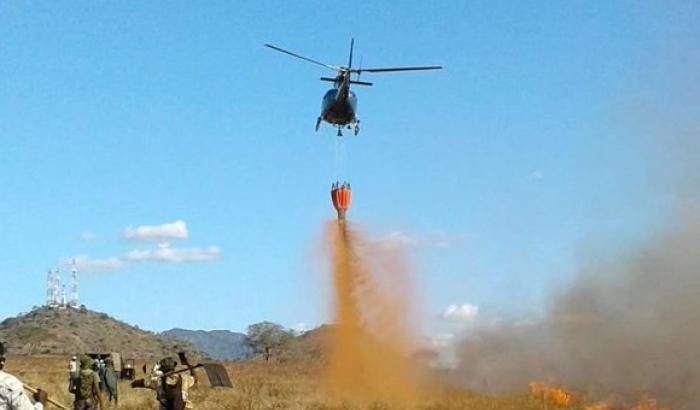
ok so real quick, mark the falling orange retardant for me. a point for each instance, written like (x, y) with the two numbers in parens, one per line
(370, 348)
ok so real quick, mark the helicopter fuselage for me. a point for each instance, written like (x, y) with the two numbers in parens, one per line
(339, 107)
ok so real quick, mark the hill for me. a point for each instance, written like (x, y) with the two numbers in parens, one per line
(227, 345)
(216, 344)
(69, 331)
(314, 344)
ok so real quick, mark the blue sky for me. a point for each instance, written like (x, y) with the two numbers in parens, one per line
(499, 173)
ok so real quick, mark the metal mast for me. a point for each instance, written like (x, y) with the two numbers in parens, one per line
(53, 288)
(74, 285)
(57, 290)
(49, 288)
(64, 300)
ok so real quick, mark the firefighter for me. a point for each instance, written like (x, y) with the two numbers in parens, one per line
(171, 388)
(86, 387)
(110, 381)
(12, 395)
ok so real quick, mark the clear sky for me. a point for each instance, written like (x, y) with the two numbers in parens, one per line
(496, 173)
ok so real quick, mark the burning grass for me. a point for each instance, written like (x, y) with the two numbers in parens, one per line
(560, 397)
(260, 386)
(557, 396)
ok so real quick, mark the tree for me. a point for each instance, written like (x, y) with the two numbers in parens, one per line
(267, 337)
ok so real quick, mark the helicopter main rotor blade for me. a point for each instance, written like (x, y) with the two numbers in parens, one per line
(394, 69)
(281, 50)
(352, 45)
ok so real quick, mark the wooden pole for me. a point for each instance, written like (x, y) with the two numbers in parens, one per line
(52, 401)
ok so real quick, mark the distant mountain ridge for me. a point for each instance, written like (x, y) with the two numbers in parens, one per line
(68, 331)
(216, 344)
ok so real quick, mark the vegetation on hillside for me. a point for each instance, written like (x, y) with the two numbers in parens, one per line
(215, 344)
(67, 331)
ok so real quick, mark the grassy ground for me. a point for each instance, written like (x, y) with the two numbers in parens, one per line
(261, 386)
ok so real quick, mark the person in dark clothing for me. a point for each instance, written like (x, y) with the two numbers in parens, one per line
(110, 381)
(172, 389)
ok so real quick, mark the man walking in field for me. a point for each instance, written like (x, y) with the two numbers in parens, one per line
(171, 389)
(101, 371)
(72, 372)
(110, 381)
(86, 387)
(12, 395)
(73, 367)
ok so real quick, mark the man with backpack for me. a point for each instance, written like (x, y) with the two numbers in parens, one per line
(171, 388)
(86, 387)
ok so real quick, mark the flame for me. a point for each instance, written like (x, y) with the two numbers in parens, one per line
(648, 403)
(598, 406)
(557, 396)
(644, 404)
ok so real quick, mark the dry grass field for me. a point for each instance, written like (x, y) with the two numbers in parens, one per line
(264, 386)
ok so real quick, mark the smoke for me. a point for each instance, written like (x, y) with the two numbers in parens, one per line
(621, 329)
(626, 326)
(371, 346)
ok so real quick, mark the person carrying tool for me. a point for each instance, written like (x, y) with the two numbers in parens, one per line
(171, 388)
(12, 395)
(86, 387)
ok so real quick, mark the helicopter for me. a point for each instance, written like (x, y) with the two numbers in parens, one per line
(339, 105)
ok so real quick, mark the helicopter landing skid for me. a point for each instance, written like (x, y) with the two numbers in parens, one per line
(355, 126)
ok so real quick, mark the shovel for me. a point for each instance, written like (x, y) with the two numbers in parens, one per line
(216, 373)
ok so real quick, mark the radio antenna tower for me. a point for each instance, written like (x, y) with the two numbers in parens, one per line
(53, 288)
(58, 290)
(49, 288)
(74, 285)
(64, 300)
